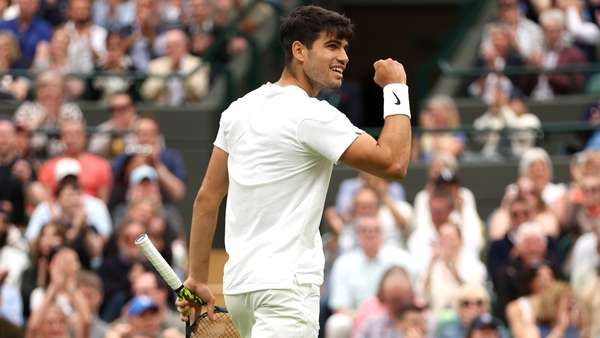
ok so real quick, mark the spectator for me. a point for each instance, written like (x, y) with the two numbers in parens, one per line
(29, 29)
(8, 328)
(140, 42)
(421, 241)
(62, 292)
(152, 285)
(114, 16)
(90, 286)
(495, 56)
(407, 322)
(395, 291)
(530, 248)
(123, 116)
(13, 260)
(113, 81)
(507, 113)
(167, 162)
(136, 156)
(448, 269)
(519, 212)
(87, 40)
(93, 172)
(525, 35)
(582, 210)
(536, 164)
(51, 236)
(438, 162)
(18, 178)
(441, 113)
(554, 54)
(585, 32)
(8, 10)
(557, 314)
(202, 31)
(47, 112)
(11, 88)
(585, 273)
(115, 268)
(188, 82)
(55, 56)
(470, 301)
(355, 275)
(83, 217)
(485, 326)
(520, 312)
(585, 282)
(142, 315)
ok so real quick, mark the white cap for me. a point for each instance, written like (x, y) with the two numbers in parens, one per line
(66, 166)
(143, 172)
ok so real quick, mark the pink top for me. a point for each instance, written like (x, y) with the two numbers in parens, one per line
(95, 174)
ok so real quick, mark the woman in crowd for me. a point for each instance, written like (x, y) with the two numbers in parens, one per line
(557, 314)
(11, 88)
(520, 312)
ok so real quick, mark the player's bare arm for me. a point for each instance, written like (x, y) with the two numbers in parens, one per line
(204, 221)
(389, 156)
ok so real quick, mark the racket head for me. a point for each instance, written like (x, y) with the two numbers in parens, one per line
(221, 327)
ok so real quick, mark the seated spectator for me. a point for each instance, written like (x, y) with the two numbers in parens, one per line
(136, 156)
(93, 172)
(407, 322)
(51, 236)
(578, 25)
(142, 316)
(585, 273)
(526, 190)
(520, 312)
(114, 16)
(448, 269)
(83, 217)
(582, 209)
(554, 54)
(585, 282)
(18, 177)
(188, 84)
(140, 37)
(11, 88)
(29, 29)
(495, 56)
(525, 35)
(438, 162)
(55, 56)
(530, 248)
(355, 275)
(536, 164)
(47, 112)
(90, 286)
(116, 267)
(507, 113)
(87, 40)
(151, 284)
(202, 31)
(485, 326)
(167, 162)
(395, 291)
(557, 313)
(50, 321)
(112, 81)
(585, 249)
(519, 212)
(123, 116)
(14, 258)
(421, 242)
(441, 113)
(470, 301)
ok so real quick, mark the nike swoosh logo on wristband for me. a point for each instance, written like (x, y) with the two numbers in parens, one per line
(398, 100)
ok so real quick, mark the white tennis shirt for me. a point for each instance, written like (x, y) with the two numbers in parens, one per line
(282, 145)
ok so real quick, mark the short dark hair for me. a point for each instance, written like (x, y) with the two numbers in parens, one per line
(67, 181)
(306, 23)
(441, 193)
(408, 308)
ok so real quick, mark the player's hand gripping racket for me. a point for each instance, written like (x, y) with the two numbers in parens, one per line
(222, 326)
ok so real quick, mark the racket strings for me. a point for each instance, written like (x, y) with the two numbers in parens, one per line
(221, 327)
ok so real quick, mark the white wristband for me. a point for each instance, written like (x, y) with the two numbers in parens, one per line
(395, 100)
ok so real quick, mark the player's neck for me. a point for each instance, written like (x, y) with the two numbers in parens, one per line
(290, 77)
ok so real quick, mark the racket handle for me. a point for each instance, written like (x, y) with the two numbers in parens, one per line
(184, 293)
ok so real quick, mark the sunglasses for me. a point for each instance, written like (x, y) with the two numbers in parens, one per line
(467, 303)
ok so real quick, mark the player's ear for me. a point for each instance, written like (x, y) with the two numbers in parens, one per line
(299, 51)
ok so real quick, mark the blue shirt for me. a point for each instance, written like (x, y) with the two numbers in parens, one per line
(38, 30)
(171, 158)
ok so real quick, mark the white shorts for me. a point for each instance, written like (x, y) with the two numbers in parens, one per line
(290, 313)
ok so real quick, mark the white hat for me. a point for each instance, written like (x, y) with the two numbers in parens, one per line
(142, 172)
(66, 166)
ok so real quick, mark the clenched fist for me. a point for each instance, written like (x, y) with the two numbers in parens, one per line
(389, 71)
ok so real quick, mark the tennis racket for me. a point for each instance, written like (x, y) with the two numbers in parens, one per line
(202, 327)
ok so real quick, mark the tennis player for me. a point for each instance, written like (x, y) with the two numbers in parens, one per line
(273, 156)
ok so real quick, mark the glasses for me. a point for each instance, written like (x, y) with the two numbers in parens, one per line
(116, 108)
(467, 302)
(593, 189)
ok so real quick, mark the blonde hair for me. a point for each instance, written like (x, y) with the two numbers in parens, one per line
(49, 77)
(15, 53)
(547, 308)
(448, 104)
(531, 155)
(469, 290)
